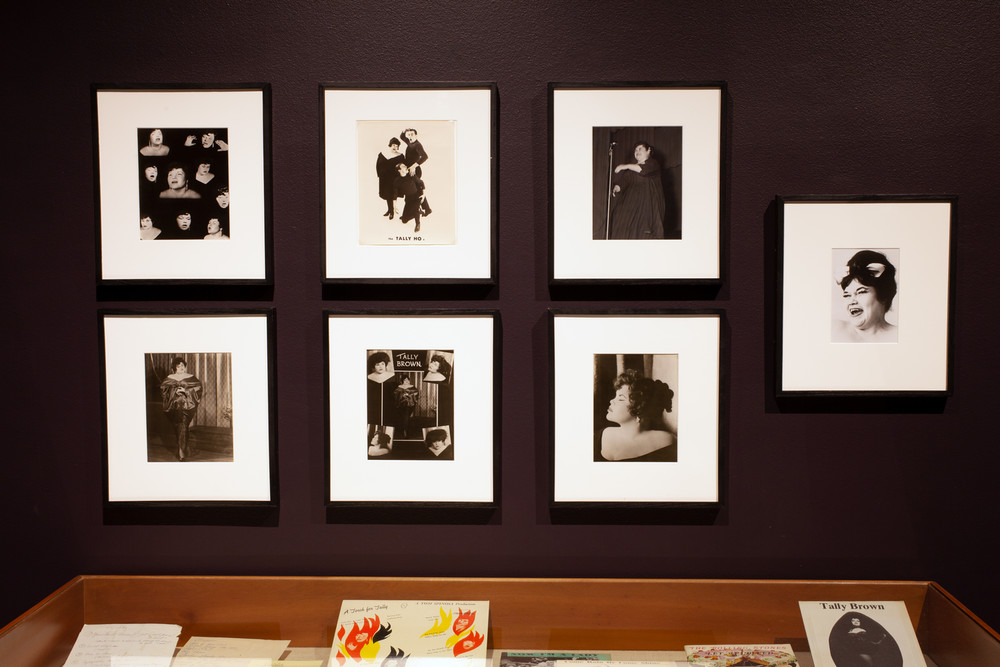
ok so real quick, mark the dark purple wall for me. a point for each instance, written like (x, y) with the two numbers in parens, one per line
(826, 97)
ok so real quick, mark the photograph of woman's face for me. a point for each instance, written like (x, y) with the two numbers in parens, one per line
(618, 411)
(865, 295)
(634, 416)
(176, 178)
(862, 304)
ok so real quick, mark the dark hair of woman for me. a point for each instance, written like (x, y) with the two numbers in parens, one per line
(872, 268)
(175, 362)
(444, 368)
(376, 358)
(648, 399)
(436, 435)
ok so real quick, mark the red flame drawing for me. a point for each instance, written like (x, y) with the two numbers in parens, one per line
(467, 643)
(357, 639)
(463, 622)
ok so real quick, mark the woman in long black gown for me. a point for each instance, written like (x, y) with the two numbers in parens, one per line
(638, 203)
(385, 169)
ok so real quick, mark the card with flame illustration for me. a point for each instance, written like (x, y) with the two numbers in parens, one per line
(410, 633)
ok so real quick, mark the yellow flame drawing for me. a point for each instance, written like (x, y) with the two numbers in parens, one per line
(441, 625)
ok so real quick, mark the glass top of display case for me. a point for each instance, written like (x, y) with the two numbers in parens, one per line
(627, 619)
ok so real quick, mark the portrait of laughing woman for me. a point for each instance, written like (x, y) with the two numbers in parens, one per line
(868, 287)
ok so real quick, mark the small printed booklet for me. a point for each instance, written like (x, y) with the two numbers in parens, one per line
(629, 663)
(875, 634)
(420, 633)
(548, 658)
(742, 655)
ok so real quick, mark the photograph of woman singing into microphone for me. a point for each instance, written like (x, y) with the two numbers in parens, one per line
(637, 183)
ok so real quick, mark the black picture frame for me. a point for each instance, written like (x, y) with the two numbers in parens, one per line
(191, 445)
(439, 381)
(362, 246)
(661, 223)
(898, 252)
(226, 126)
(667, 465)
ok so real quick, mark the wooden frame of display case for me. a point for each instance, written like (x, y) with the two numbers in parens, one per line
(537, 614)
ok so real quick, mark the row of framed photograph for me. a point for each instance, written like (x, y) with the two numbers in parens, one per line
(192, 165)
(410, 182)
(188, 409)
(413, 410)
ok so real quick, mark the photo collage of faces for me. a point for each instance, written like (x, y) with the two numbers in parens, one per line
(183, 183)
(411, 405)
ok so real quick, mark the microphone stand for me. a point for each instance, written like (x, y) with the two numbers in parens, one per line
(611, 162)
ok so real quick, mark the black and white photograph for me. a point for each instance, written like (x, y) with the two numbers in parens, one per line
(189, 406)
(650, 209)
(183, 184)
(636, 408)
(409, 182)
(857, 640)
(637, 183)
(865, 296)
(851, 271)
(637, 393)
(409, 197)
(188, 409)
(179, 166)
(861, 633)
(412, 407)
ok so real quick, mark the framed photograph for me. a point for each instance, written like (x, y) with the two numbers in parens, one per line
(410, 182)
(188, 409)
(183, 184)
(413, 401)
(635, 409)
(636, 179)
(865, 294)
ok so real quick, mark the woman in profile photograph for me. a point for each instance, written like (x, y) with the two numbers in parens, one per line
(869, 287)
(379, 441)
(637, 200)
(638, 408)
(438, 369)
(181, 392)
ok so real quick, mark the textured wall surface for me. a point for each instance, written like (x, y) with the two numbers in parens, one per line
(825, 98)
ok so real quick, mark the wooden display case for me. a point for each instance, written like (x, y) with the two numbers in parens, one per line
(533, 614)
